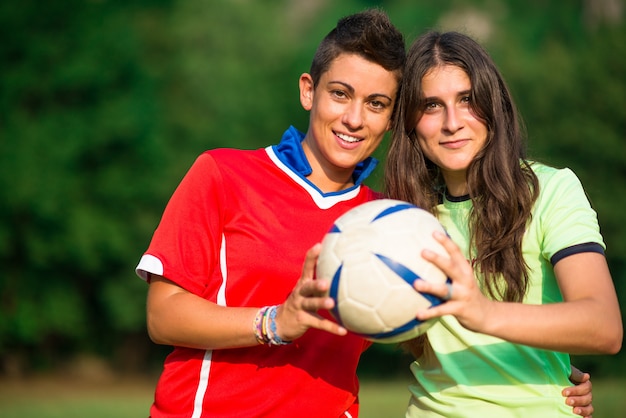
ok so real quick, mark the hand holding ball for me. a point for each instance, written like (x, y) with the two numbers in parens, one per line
(372, 256)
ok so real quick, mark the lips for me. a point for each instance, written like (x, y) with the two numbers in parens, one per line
(454, 144)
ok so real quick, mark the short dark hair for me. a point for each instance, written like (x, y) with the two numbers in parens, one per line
(369, 34)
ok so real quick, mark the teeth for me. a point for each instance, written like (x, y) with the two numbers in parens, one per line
(348, 138)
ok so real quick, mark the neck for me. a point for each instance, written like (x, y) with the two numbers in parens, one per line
(456, 185)
(326, 177)
(328, 184)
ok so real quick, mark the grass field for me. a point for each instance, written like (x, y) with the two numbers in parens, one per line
(68, 398)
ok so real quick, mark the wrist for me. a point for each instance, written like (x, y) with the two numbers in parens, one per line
(264, 327)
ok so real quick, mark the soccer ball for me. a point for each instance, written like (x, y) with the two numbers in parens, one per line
(372, 256)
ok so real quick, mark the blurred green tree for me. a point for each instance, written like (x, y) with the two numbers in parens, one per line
(78, 170)
(104, 106)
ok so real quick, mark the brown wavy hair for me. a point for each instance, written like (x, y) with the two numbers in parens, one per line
(502, 186)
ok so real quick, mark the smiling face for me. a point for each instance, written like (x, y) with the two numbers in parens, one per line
(449, 133)
(350, 110)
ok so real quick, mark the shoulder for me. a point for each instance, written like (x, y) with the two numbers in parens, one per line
(216, 165)
(551, 177)
(563, 211)
(559, 186)
(230, 154)
(546, 172)
(225, 159)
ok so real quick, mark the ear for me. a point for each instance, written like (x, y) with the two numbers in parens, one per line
(307, 90)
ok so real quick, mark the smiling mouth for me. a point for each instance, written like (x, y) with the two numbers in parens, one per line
(348, 138)
(455, 144)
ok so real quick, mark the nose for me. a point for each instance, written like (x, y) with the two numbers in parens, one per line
(453, 119)
(353, 115)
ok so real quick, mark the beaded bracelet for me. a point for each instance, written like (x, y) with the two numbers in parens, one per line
(265, 327)
(260, 336)
(274, 337)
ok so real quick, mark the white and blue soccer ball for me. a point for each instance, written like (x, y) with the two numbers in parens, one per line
(372, 256)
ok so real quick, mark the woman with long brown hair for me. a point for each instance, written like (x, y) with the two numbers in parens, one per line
(529, 280)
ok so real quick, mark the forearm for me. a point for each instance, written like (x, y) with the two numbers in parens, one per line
(587, 322)
(178, 317)
(184, 319)
(577, 327)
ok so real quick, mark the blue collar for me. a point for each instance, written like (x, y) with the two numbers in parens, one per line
(290, 153)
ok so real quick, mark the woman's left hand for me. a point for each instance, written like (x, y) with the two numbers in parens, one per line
(579, 397)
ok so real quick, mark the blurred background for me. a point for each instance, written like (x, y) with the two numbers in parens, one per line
(104, 105)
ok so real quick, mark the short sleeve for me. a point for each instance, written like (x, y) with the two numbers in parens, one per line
(565, 213)
(185, 246)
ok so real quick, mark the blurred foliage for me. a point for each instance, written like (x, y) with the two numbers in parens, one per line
(104, 105)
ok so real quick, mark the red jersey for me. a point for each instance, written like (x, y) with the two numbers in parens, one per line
(235, 232)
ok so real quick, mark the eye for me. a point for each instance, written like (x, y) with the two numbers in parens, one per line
(339, 94)
(378, 105)
(429, 107)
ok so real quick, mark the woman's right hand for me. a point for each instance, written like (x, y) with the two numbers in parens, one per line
(299, 312)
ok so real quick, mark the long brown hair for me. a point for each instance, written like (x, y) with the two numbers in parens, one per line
(502, 186)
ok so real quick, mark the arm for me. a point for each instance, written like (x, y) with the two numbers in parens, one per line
(178, 317)
(586, 286)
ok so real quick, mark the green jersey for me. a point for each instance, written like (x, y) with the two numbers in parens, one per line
(467, 374)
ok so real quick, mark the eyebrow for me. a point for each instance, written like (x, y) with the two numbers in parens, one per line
(351, 90)
(461, 93)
